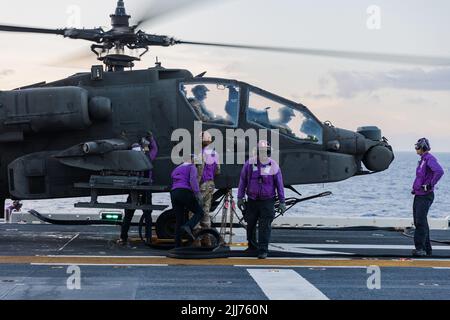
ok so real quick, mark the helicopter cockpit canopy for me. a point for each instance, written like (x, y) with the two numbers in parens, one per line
(216, 103)
(293, 122)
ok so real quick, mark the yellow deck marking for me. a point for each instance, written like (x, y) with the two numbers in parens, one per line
(224, 262)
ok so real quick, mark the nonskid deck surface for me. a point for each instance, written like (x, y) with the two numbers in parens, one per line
(303, 264)
(51, 240)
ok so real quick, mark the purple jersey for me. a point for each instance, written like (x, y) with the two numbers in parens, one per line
(185, 177)
(261, 181)
(152, 154)
(211, 163)
(428, 172)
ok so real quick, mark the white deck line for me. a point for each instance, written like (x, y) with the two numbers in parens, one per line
(288, 246)
(99, 265)
(293, 248)
(295, 267)
(284, 284)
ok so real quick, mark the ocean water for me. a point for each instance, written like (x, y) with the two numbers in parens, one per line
(386, 194)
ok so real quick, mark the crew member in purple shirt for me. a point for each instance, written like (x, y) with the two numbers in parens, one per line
(185, 196)
(428, 174)
(149, 146)
(261, 179)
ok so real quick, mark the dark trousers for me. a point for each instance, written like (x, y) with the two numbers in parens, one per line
(261, 213)
(421, 207)
(183, 201)
(146, 198)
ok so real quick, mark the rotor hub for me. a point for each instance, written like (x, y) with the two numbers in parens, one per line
(120, 18)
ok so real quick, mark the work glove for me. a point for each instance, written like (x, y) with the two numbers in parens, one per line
(282, 207)
(145, 142)
(241, 204)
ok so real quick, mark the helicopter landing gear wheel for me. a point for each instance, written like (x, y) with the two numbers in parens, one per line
(165, 225)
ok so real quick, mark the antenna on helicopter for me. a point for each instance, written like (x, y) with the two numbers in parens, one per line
(158, 63)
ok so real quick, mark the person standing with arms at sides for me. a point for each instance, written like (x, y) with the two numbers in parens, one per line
(149, 146)
(208, 169)
(185, 196)
(261, 180)
(428, 174)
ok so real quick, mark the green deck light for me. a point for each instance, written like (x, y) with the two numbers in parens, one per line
(111, 216)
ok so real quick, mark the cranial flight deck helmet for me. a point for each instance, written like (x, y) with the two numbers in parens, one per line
(264, 147)
(206, 137)
(199, 89)
(423, 144)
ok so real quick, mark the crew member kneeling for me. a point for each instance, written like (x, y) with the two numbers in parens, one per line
(262, 180)
(185, 196)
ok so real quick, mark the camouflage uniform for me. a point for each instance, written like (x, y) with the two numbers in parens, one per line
(207, 189)
(197, 106)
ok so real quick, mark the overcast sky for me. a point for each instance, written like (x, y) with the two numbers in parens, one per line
(406, 101)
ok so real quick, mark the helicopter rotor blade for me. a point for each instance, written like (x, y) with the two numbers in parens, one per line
(93, 35)
(365, 56)
(9, 28)
(165, 8)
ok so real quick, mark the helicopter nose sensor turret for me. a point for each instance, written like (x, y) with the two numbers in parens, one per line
(367, 145)
(379, 154)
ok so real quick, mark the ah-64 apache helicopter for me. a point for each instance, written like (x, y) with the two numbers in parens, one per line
(72, 137)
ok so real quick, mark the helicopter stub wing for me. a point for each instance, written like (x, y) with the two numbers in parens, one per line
(105, 155)
(123, 160)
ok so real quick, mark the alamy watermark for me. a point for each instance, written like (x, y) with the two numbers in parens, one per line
(374, 17)
(73, 16)
(374, 280)
(74, 280)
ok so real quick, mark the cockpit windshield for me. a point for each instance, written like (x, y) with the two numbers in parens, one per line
(288, 120)
(216, 103)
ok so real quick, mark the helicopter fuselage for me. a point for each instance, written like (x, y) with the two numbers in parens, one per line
(38, 124)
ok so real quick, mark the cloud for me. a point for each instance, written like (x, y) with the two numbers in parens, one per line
(419, 101)
(6, 72)
(375, 98)
(317, 96)
(233, 67)
(350, 84)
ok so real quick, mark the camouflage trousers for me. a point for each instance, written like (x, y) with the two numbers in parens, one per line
(207, 190)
